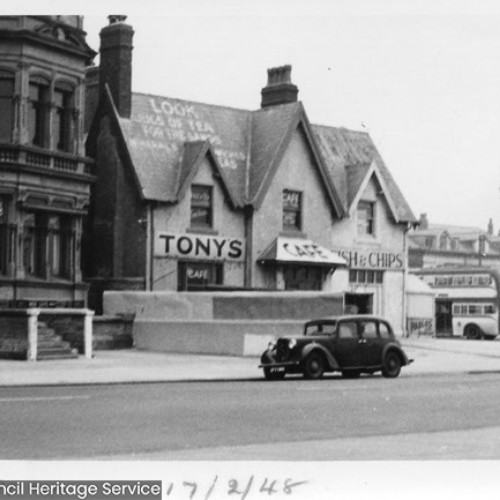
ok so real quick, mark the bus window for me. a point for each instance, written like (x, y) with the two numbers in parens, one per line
(474, 309)
(489, 309)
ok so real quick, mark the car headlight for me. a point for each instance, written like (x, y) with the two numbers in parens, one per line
(292, 344)
(271, 345)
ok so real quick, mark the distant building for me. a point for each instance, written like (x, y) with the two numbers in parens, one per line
(438, 245)
(194, 196)
(44, 173)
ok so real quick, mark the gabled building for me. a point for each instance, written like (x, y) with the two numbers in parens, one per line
(438, 245)
(44, 174)
(195, 196)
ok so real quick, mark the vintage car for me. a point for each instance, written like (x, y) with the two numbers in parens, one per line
(350, 345)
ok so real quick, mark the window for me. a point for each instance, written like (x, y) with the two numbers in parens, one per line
(368, 329)
(384, 331)
(429, 242)
(62, 121)
(292, 210)
(59, 245)
(199, 275)
(38, 115)
(47, 246)
(6, 237)
(443, 242)
(366, 218)
(201, 206)
(348, 330)
(362, 277)
(6, 108)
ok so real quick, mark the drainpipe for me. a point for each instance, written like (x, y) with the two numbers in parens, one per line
(149, 249)
(405, 271)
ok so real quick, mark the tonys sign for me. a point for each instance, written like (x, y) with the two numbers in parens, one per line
(199, 246)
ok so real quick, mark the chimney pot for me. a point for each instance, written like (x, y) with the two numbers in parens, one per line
(279, 88)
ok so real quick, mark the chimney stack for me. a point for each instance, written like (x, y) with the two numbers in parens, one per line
(423, 222)
(115, 66)
(490, 227)
(279, 88)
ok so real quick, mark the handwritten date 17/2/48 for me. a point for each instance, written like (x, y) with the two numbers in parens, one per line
(233, 488)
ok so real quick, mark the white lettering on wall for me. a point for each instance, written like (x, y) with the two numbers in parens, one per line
(197, 246)
(357, 259)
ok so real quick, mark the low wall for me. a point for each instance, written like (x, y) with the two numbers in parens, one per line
(14, 342)
(230, 323)
(229, 337)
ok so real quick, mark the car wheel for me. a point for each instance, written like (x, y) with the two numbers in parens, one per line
(273, 374)
(351, 374)
(472, 332)
(314, 366)
(391, 366)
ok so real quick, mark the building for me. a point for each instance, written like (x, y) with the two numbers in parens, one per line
(438, 245)
(194, 196)
(44, 173)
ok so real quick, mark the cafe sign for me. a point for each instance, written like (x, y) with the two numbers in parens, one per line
(198, 246)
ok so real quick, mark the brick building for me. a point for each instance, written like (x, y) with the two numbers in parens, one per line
(194, 196)
(44, 173)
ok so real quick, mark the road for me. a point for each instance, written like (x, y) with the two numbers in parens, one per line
(326, 419)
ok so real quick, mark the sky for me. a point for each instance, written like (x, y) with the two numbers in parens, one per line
(423, 80)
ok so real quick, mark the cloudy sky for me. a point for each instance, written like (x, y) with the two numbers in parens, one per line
(424, 79)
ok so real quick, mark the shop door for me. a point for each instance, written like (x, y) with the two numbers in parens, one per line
(358, 303)
(443, 317)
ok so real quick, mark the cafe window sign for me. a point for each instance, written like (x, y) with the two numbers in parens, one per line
(200, 247)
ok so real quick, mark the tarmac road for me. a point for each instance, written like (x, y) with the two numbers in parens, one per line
(372, 418)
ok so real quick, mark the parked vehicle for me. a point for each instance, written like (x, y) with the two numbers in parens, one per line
(350, 345)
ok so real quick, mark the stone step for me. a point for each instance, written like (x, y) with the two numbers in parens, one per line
(53, 343)
(57, 353)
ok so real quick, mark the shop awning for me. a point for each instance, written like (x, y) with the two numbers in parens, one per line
(299, 251)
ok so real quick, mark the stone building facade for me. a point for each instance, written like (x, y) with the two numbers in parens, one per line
(44, 173)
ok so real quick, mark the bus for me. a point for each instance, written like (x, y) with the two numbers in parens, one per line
(466, 301)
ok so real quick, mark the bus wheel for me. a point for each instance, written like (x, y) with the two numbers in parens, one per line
(472, 332)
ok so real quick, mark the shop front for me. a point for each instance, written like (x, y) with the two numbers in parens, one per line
(199, 261)
(300, 264)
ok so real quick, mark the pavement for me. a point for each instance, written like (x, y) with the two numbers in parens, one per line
(431, 356)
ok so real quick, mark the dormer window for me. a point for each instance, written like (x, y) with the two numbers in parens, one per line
(443, 242)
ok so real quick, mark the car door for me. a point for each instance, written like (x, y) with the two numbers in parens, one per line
(371, 345)
(347, 348)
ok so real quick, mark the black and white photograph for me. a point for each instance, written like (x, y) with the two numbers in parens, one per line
(249, 249)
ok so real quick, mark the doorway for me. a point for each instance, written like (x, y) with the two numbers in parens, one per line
(358, 303)
(444, 325)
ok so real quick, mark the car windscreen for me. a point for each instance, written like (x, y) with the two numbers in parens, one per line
(320, 329)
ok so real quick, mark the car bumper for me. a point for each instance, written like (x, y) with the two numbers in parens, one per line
(278, 364)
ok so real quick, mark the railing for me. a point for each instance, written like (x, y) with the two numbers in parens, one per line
(43, 159)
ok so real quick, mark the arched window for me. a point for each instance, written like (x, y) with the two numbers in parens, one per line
(63, 116)
(6, 106)
(38, 113)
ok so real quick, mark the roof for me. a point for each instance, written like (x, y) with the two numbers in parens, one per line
(165, 137)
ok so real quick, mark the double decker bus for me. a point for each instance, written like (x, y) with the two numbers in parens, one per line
(467, 301)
